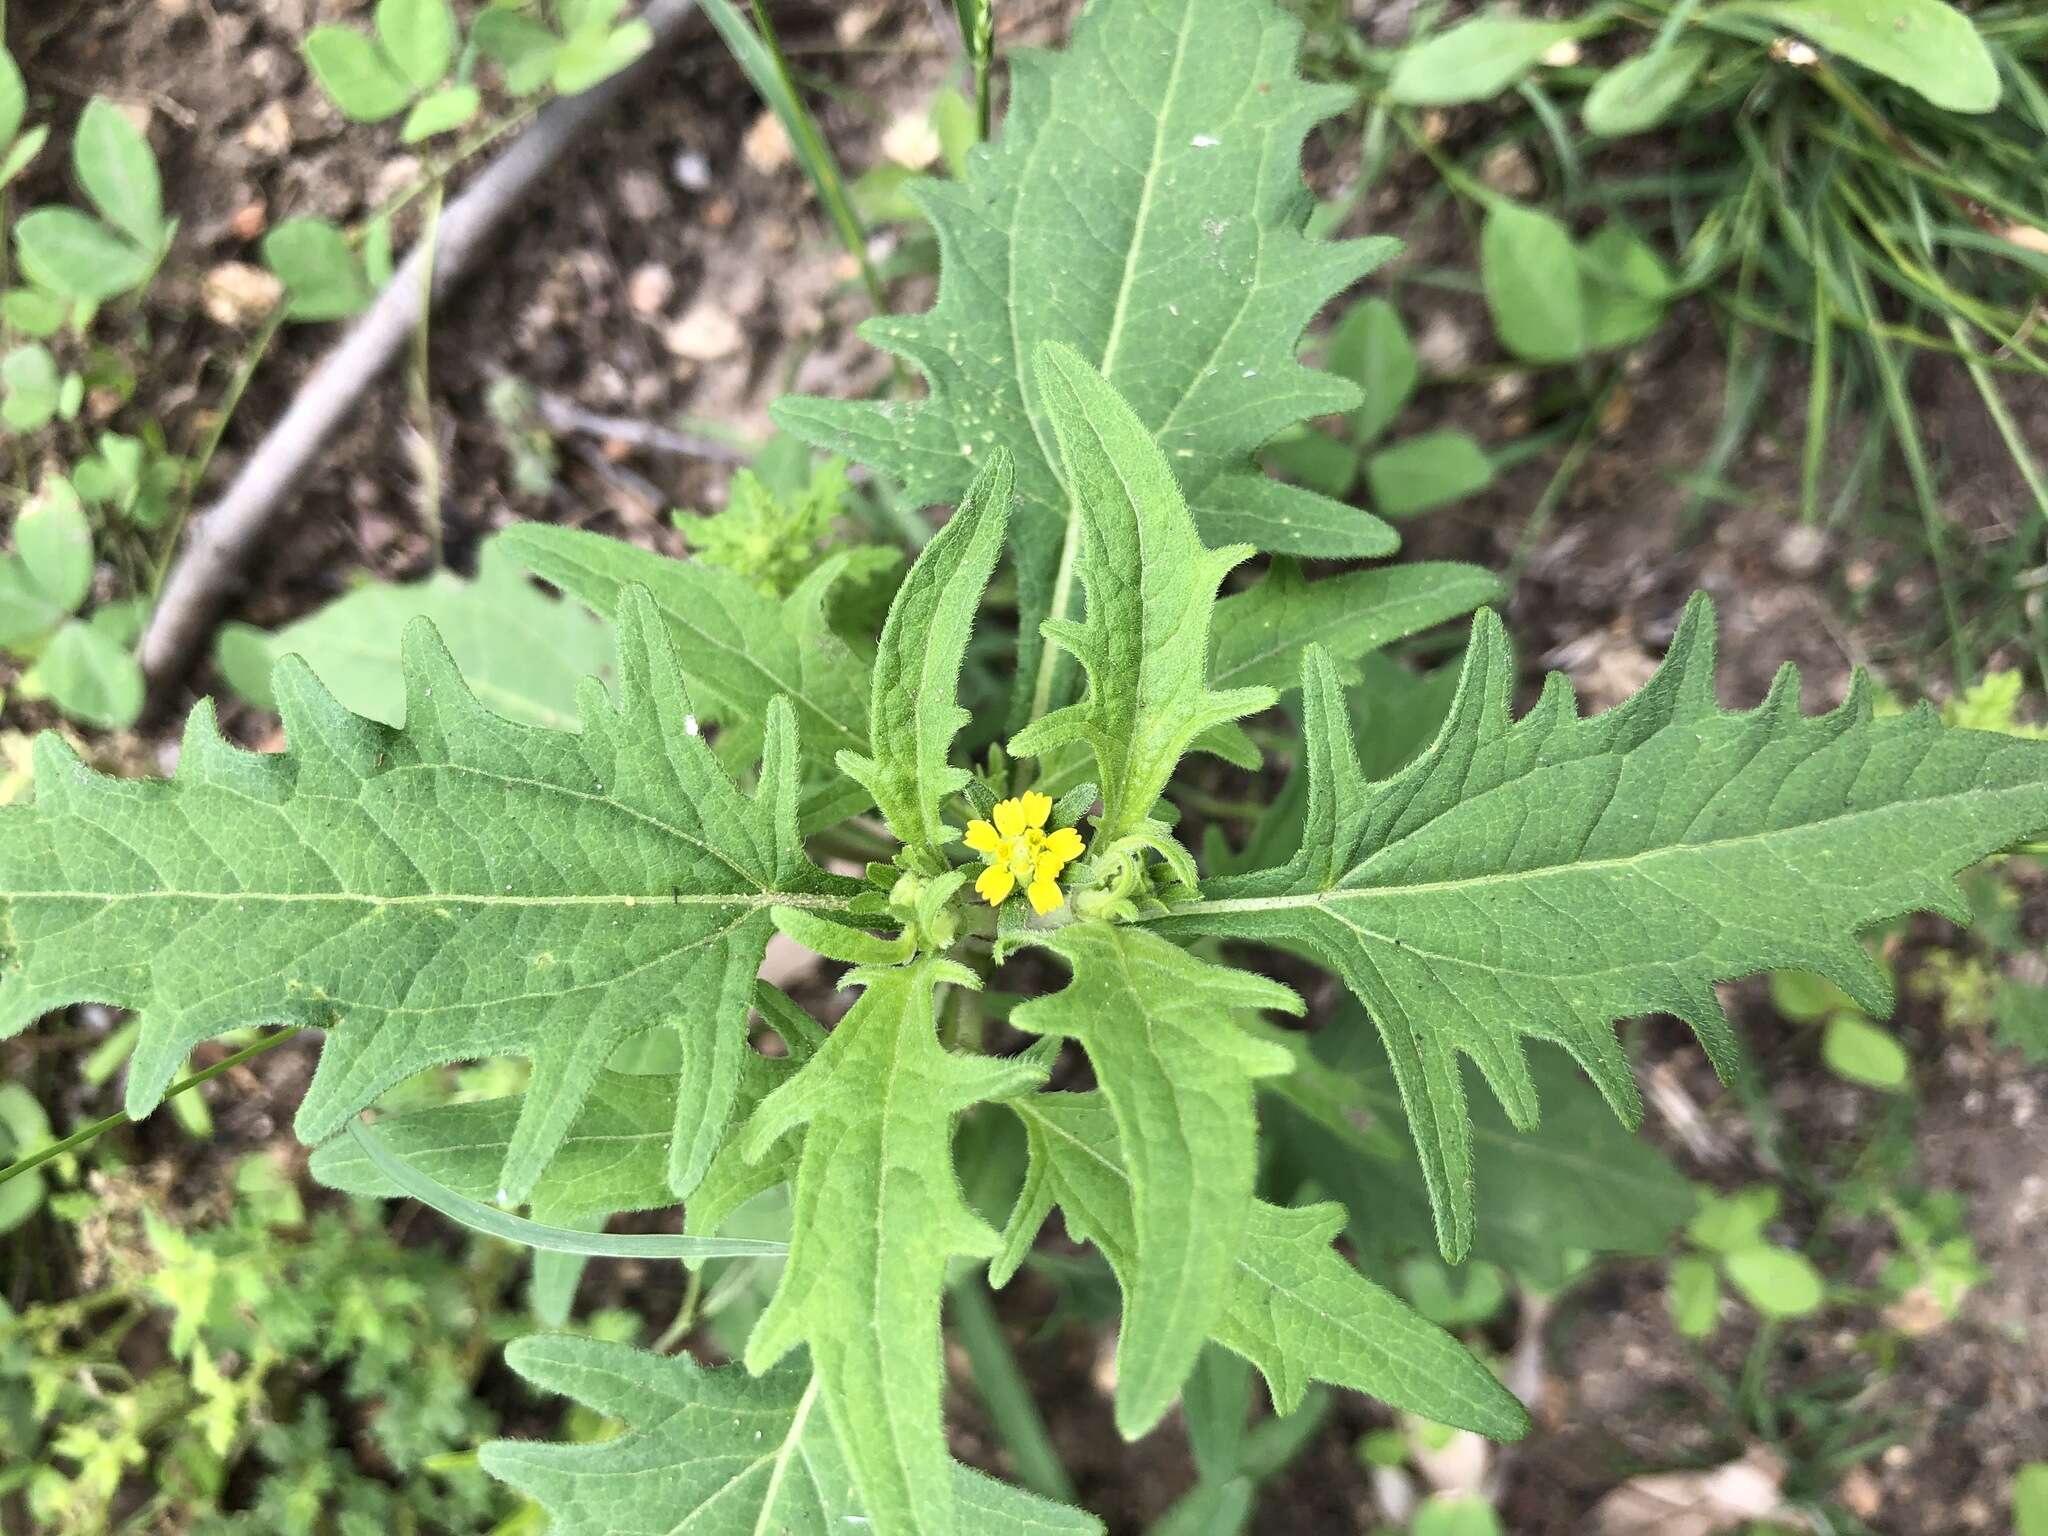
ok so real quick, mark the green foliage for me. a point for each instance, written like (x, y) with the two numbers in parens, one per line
(1478, 58)
(347, 898)
(1171, 134)
(77, 256)
(1151, 585)
(1928, 45)
(521, 654)
(323, 278)
(718, 1452)
(1780, 1282)
(81, 664)
(1481, 894)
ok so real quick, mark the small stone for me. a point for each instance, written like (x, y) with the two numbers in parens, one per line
(766, 146)
(1562, 54)
(720, 212)
(911, 141)
(691, 170)
(1802, 550)
(250, 220)
(392, 178)
(269, 132)
(1509, 171)
(704, 333)
(649, 288)
(236, 293)
(642, 195)
(855, 22)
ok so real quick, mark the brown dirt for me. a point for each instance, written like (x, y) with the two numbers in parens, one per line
(239, 126)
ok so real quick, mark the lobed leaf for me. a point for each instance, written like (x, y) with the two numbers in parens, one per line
(461, 887)
(1176, 1067)
(1296, 1309)
(1144, 206)
(715, 1453)
(1151, 586)
(878, 1212)
(914, 705)
(1547, 876)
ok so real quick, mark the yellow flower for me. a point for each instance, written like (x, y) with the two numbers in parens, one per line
(1017, 848)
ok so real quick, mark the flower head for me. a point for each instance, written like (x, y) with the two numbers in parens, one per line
(1019, 851)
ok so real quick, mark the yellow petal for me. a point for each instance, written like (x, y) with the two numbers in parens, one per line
(1065, 845)
(1036, 808)
(1009, 816)
(1048, 867)
(981, 837)
(1045, 896)
(995, 883)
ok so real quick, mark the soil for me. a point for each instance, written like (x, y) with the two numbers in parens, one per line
(675, 271)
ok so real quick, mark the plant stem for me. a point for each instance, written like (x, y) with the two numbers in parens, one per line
(98, 1128)
(1004, 1393)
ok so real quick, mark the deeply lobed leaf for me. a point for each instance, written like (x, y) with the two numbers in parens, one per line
(715, 1453)
(1151, 587)
(878, 1213)
(1144, 206)
(1163, 1032)
(461, 887)
(1547, 876)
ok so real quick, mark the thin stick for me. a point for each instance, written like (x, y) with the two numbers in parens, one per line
(99, 1128)
(229, 532)
(564, 417)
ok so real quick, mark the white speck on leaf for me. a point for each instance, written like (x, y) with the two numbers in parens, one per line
(1204, 141)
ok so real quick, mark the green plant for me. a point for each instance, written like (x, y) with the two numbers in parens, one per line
(462, 885)
(1728, 1234)
(1857, 180)
(82, 665)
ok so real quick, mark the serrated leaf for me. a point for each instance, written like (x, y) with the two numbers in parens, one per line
(715, 1453)
(357, 75)
(1151, 588)
(522, 654)
(1547, 876)
(1177, 1070)
(1639, 93)
(1478, 58)
(878, 1213)
(1927, 45)
(739, 649)
(420, 37)
(74, 254)
(1144, 207)
(118, 171)
(462, 887)
(1297, 1310)
(1258, 635)
(914, 705)
(1579, 1182)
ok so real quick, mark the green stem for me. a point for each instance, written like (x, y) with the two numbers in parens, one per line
(98, 1128)
(1003, 1391)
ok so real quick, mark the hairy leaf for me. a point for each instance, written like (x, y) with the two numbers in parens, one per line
(1150, 586)
(878, 1212)
(462, 887)
(522, 654)
(1258, 635)
(1297, 1311)
(1549, 876)
(715, 1453)
(1144, 206)
(914, 705)
(1177, 1070)
(739, 650)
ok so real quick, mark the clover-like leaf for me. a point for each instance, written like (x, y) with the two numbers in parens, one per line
(1163, 1032)
(463, 886)
(914, 706)
(715, 1453)
(1143, 206)
(1151, 588)
(1547, 876)
(878, 1213)
(1296, 1309)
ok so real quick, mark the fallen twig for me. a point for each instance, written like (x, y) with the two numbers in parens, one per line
(564, 417)
(224, 536)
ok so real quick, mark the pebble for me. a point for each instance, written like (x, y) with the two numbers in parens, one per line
(649, 288)
(911, 141)
(269, 132)
(1509, 171)
(236, 293)
(250, 220)
(704, 334)
(691, 170)
(1802, 550)
(766, 147)
(642, 195)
